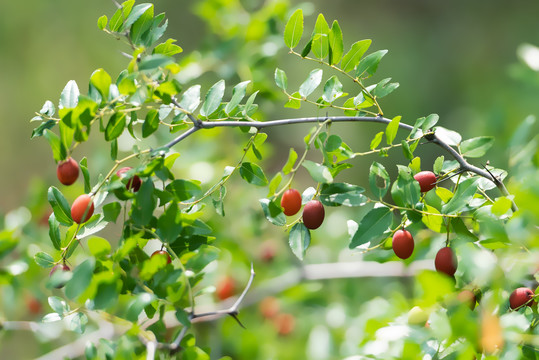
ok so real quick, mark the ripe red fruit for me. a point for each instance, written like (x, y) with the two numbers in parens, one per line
(426, 180)
(467, 297)
(285, 323)
(34, 305)
(267, 251)
(521, 296)
(291, 202)
(67, 171)
(225, 288)
(403, 244)
(313, 214)
(81, 206)
(62, 267)
(133, 183)
(446, 261)
(269, 307)
(162, 253)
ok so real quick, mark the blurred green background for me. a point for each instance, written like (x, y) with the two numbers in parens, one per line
(455, 58)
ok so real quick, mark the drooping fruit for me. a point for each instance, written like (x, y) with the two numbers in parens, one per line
(313, 214)
(403, 244)
(62, 267)
(291, 202)
(82, 209)
(162, 253)
(426, 180)
(67, 171)
(446, 261)
(521, 296)
(225, 288)
(467, 297)
(133, 183)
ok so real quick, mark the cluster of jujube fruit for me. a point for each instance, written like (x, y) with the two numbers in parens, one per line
(313, 211)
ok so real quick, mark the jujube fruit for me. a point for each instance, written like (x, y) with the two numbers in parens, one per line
(62, 267)
(284, 323)
(467, 297)
(446, 261)
(225, 288)
(426, 180)
(403, 244)
(67, 171)
(81, 206)
(313, 214)
(133, 183)
(162, 253)
(521, 296)
(291, 202)
(269, 307)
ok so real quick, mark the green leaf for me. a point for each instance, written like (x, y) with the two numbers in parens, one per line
(59, 151)
(135, 14)
(144, 204)
(376, 140)
(280, 79)
(152, 62)
(238, 93)
(405, 191)
(438, 165)
(58, 305)
(99, 247)
(101, 80)
(318, 172)
(168, 48)
(299, 240)
(120, 15)
(137, 305)
(476, 147)
(204, 255)
(184, 190)
(66, 135)
(307, 49)
(320, 45)
(434, 222)
(406, 150)
(274, 183)
(378, 180)
(43, 259)
(460, 229)
(369, 64)
(151, 123)
(391, 129)
(429, 122)
(253, 174)
(111, 211)
(213, 98)
(342, 194)
(273, 212)
(83, 165)
(60, 207)
(450, 137)
(294, 102)
(38, 131)
(501, 206)
(250, 108)
(7, 242)
(332, 89)
(383, 88)
(78, 323)
(464, 194)
(191, 98)
(294, 29)
(102, 22)
(373, 227)
(70, 95)
(312, 82)
(169, 224)
(335, 43)
(351, 59)
(115, 126)
(54, 232)
(82, 276)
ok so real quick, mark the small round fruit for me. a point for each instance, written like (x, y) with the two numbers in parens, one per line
(403, 244)
(133, 183)
(446, 261)
(426, 180)
(269, 307)
(34, 305)
(467, 297)
(521, 296)
(83, 206)
(162, 253)
(291, 202)
(267, 251)
(62, 267)
(67, 171)
(313, 214)
(284, 323)
(225, 288)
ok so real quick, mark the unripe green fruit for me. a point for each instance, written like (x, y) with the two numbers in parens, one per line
(133, 183)
(291, 202)
(403, 244)
(521, 296)
(162, 253)
(83, 206)
(417, 316)
(67, 171)
(446, 261)
(426, 180)
(313, 214)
